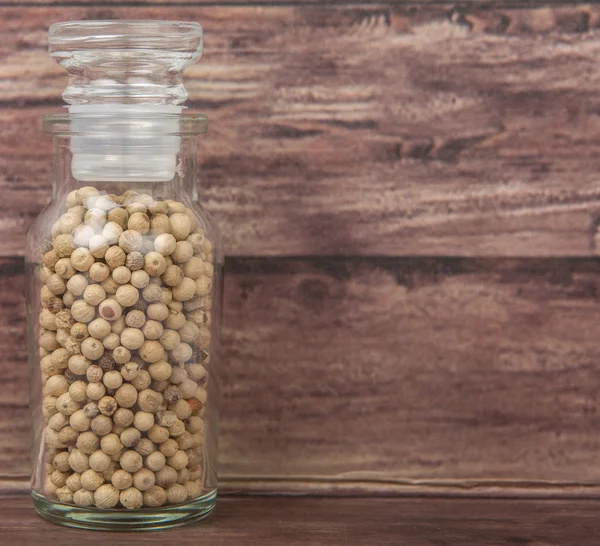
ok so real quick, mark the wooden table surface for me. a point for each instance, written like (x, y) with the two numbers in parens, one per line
(258, 521)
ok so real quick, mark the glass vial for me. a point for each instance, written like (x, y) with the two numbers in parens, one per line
(124, 276)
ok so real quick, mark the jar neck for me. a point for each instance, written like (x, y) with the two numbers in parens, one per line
(180, 186)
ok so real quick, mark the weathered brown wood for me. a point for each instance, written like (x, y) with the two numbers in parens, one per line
(259, 521)
(390, 374)
(389, 129)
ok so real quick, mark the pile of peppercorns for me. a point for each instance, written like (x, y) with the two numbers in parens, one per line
(124, 345)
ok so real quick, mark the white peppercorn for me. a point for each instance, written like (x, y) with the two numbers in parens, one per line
(131, 461)
(67, 436)
(74, 480)
(152, 293)
(149, 400)
(121, 479)
(185, 441)
(82, 259)
(79, 421)
(95, 391)
(121, 356)
(176, 494)
(79, 331)
(152, 329)
(196, 372)
(127, 295)
(56, 385)
(64, 494)
(145, 447)
(131, 241)
(111, 341)
(99, 461)
(180, 225)
(107, 404)
(91, 480)
(123, 417)
(178, 375)
(61, 463)
(154, 497)
(135, 319)
(83, 497)
(188, 388)
(178, 461)
(188, 332)
(94, 373)
(66, 405)
(111, 444)
(94, 294)
(177, 428)
(112, 380)
(47, 340)
(110, 310)
(131, 498)
(106, 496)
(154, 264)
(160, 371)
(115, 255)
(56, 284)
(78, 460)
(172, 394)
(195, 424)
(119, 216)
(140, 279)
(130, 436)
(159, 386)
(64, 268)
(121, 274)
(176, 305)
(101, 425)
(57, 421)
(143, 421)
(165, 418)
(194, 489)
(185, 290)
(134, 261)
(64, 245)
(183, 252)
(88, 442)
(82, 311)
(78, 364)
(172, 276)
(143, 479)
(158, 434)
(181, 353)
(98, 273)
(126, 395)
(157, 311)
(169, 339)
(142, 380)
(183, 476)
(152, 351)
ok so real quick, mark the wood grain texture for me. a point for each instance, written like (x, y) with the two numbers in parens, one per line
(475, 376)
(393, 129)
(260, 521)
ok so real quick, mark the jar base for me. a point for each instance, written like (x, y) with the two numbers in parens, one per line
(145, 519)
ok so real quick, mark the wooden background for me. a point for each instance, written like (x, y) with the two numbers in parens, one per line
(409, 193)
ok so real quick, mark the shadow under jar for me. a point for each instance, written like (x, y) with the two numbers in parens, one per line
(124, 277)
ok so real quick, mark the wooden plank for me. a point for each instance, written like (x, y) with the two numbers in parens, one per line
(389, 129)
(392, 375)
(257, 521)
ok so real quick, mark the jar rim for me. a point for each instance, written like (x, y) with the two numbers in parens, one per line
(134, 34)
(102, 123)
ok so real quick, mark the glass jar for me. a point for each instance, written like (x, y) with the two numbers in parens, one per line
(124, 277)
